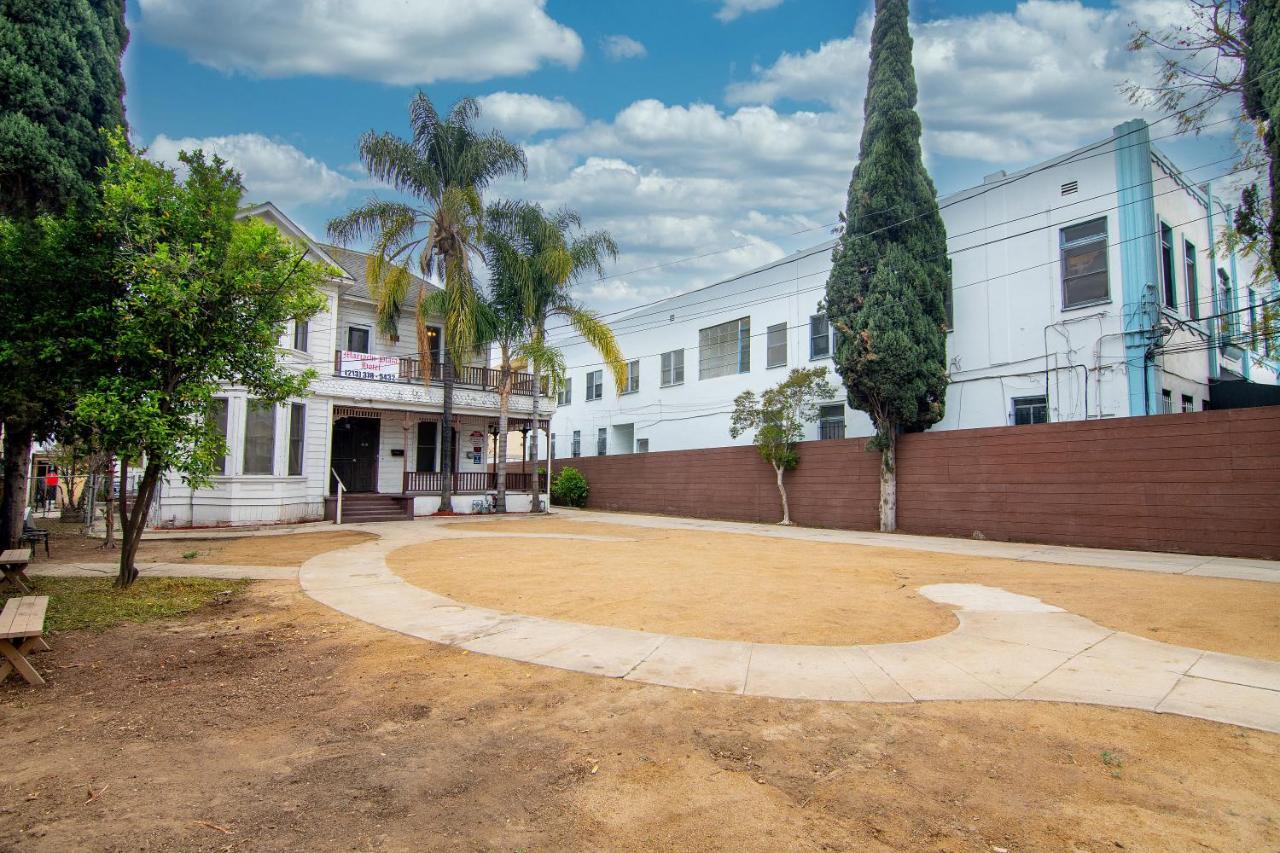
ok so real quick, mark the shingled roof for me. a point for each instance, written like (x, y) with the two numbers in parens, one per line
(355, 264)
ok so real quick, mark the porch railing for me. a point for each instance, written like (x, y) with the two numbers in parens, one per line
(471, 482)
(409, 370)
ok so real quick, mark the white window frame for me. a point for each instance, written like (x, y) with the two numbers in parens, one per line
(824, 336)
(1064, 247)
(672, 368)
(632, 384)
(778, 330)
(575, 448)
(564, 397)
(595, 385)
(731, 332)
(298, 421)
(252, 406)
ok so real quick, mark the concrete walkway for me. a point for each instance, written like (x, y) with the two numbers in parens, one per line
(1007, 646)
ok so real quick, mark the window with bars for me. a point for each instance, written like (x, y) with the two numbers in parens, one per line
(1188, 403)
(819, 337)
(776, 346)
(672, 368)
(1084, 264)
(633, 377)
(725, 349)
(575, 448)
(602, 441)
(1030, 410)
(1166, 402)
(831, 421)
(595, 385)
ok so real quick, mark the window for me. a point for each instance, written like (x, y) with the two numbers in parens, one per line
(1188, 403)
(300, 330)
(1230, 323)
(1166, 402)
(564, 396)
(533, 446)
(1030, 410)
(1084, 264)
(831, 421)
(775, 353)
(575, 449)
(642, 445)
(434, 337)
(602, 441)
(595, 385)
(725, 349)
(672, 368)
(357, 339)
(1253, 320)
(219, 418)
(633, 378)
(297, 432)
(1166, 267)
(426, 458)
(819, 337)
(1193, 285)
(259, 438)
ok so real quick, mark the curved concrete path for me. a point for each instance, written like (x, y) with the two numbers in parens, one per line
(1007, 646)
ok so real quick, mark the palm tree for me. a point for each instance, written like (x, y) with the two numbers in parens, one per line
(546, 258)
(444, 167)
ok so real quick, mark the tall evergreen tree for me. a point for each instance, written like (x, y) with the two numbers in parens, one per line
(890, 278)
(1262, 103)
(60, 87)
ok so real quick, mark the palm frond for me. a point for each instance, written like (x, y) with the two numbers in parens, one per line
(370, 219)
(597, 333)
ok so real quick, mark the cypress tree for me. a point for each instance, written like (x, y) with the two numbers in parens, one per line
(890, 278)
(1262, 100)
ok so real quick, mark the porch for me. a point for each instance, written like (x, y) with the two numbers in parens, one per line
(391, 368)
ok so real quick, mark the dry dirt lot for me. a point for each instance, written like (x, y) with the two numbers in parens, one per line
(741, 587)
(272, 723)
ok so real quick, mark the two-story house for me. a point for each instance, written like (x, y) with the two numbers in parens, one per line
(1092, 285)
(369, 422)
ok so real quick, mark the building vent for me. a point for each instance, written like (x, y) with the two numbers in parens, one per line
(1070, 187)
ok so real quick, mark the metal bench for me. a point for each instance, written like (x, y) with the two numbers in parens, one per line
(33, 535)
(13, 564)
(21, 633)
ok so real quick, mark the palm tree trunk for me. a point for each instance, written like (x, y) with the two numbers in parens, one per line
(500, 464)
(446, 437)
(535, 491)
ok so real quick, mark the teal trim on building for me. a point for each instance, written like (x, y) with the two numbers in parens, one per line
(1213, 291)
(1139, 264)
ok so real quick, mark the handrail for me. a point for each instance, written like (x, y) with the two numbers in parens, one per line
(337, 516)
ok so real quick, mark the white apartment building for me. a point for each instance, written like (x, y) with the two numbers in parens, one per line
(369, 421)
(1089, 286)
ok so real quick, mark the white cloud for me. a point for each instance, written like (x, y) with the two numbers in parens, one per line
(622, 47)
(389, 41)
(731, 10)
(521, 114)
(272, 170)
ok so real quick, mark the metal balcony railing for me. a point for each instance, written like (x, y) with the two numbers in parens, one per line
(383, 368)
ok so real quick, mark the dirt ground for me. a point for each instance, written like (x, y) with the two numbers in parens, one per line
(757, 588)
(272, 723)
(68, 545)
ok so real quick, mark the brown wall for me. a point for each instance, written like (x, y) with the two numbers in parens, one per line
(1202, 483)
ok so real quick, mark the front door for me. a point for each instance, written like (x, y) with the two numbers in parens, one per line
(355, 454)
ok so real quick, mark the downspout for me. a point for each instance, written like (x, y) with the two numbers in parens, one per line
(1247, 358)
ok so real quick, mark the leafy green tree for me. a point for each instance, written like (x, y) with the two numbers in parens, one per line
(204, 301)
(778, 417)
(60, 86)
(890, 280)
(1261, 75)
(444, 167)
(550, 257)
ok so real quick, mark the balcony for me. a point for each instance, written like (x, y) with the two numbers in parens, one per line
(390, 368)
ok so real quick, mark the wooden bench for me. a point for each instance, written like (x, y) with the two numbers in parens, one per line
(13, 563)
(21, 633)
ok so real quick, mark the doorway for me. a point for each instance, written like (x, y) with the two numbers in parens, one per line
(355, 454)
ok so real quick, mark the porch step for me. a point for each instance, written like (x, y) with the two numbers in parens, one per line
(360, 508)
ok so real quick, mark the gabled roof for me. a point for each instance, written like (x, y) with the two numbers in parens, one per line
(268, 210)
(356, 265)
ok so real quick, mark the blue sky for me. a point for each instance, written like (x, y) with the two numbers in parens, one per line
(682, 126)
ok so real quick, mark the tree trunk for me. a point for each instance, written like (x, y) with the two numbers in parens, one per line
(782, 490)
(889, 483)
(535, 491)
(13, 503)
(446, 437)
(134, 520)
(109, 539)
(500, 464)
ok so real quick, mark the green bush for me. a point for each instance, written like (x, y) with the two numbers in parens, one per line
(569, 488)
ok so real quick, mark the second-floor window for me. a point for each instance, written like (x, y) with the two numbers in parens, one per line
(564, 396)
(300, 329)
(1084, 264)
(633, 378)
(672, 368)
(595, 385)
(1166, 267)
(1193, 284)
(819, 337)
(357, 339)
(775, 353)
(725, 349)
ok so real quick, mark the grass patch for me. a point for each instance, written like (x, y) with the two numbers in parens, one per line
(92, 603)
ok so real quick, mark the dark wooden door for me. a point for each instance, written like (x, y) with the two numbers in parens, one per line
(355, 454)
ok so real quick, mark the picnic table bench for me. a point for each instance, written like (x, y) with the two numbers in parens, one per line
(21, 633)
(13, 563)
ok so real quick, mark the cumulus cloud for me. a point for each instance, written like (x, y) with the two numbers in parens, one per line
(388, 41)
(520, 114)
(733, 9)
(272, 170)
(622, 47)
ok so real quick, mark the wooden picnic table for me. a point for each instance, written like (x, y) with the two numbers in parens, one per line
(21, 630)
(13, 563)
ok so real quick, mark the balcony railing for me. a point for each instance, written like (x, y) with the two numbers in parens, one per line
(383, 368)
(470, 482)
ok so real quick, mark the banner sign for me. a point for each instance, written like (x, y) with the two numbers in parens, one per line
(361, 365)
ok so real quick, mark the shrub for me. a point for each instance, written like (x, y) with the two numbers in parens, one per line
(569, 488)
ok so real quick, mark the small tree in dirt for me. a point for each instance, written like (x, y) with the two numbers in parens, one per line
(778, 417)
(205, 297)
